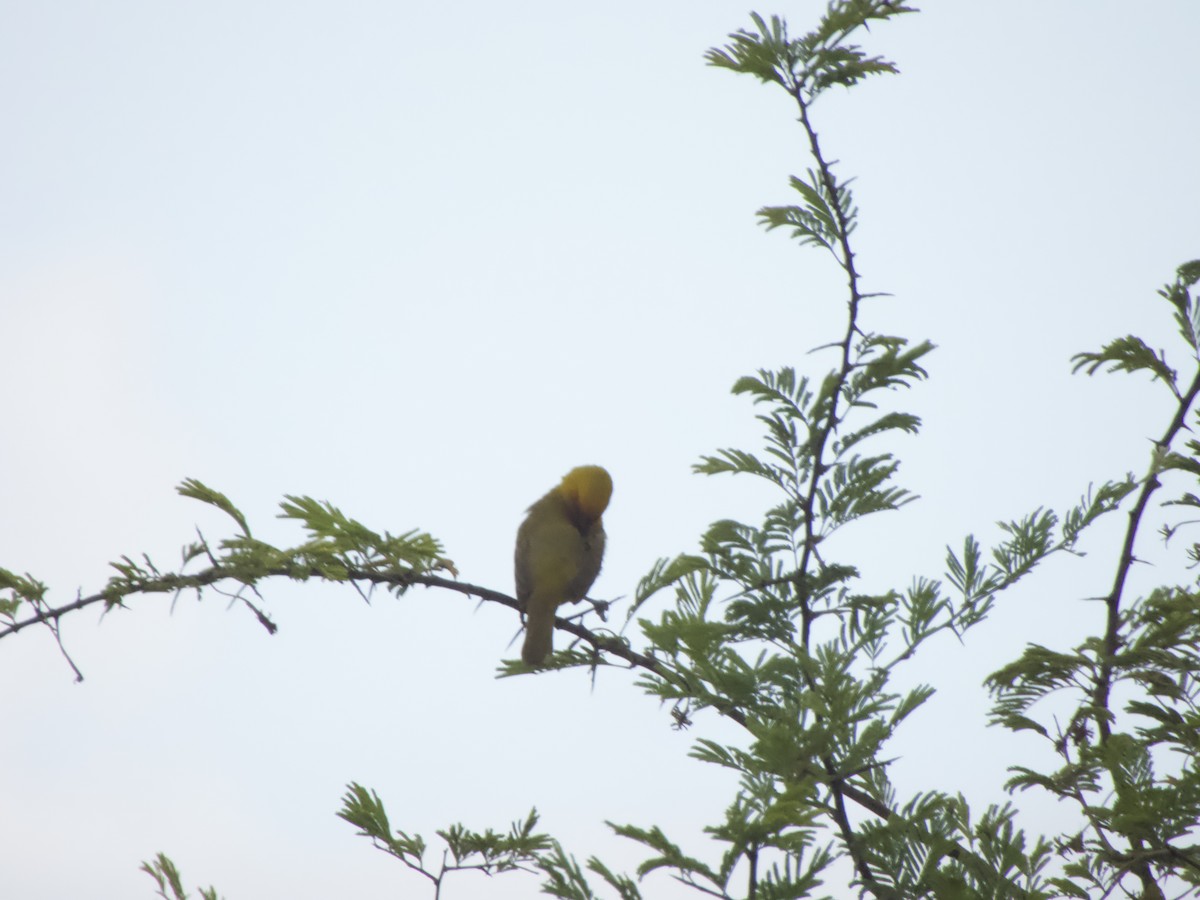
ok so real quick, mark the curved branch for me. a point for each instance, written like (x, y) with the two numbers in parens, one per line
(1112, 639)
(819, 443)
(1138, 864)
(174, 582)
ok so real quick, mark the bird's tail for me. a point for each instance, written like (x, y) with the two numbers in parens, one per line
(539, 630)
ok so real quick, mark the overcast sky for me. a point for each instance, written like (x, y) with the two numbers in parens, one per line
(421, 260)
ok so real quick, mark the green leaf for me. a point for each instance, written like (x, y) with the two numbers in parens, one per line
(625, 887)
(1068, 888)
(664, 574)
(1024, 723)
(166, 876)
(25, 588)
(1093, 505)
(670, 856)
(894, 421)
(805, 227)
(781, 388)
(735, 462)
(765, 54)
(1127, 354)
(821, 220)
(364, 810)
(197, 490)
(1180, 462)
(1189, 273)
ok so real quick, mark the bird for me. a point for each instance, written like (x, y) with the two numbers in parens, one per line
(560, 546)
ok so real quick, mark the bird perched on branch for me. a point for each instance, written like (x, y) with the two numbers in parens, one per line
(560, 546)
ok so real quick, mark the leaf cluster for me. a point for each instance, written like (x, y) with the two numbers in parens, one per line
(338, 548)
(1127, 752)
(811, 64)
(766, 626)
(487, 852)
(166, 876)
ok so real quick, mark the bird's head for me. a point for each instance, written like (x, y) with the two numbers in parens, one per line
(586, 490)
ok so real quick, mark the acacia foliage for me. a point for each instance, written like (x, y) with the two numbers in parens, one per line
(762, 625)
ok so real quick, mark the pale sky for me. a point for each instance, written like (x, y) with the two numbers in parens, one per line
(419, 261)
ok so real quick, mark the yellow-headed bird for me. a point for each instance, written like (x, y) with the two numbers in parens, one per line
(560, 546)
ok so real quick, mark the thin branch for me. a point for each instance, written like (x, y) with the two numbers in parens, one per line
(817, 449)
(1112, 639)
(403, 578)
(1138, 866)
(55, 627)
